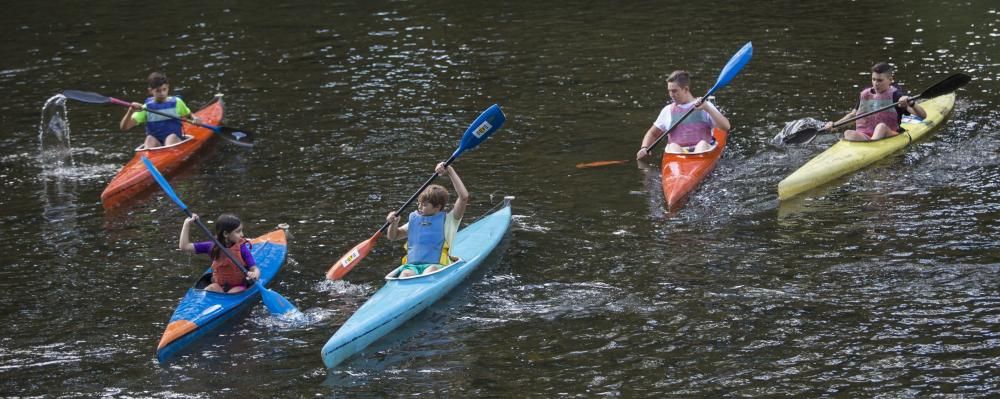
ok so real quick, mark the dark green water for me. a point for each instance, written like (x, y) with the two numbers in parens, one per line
(883, 284)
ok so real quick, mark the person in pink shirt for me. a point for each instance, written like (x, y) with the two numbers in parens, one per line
(882, 92)
(694, 133)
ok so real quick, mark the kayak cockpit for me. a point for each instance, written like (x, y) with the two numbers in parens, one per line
(690, 149)
(394, 274)
(206, 279)
(142, 147)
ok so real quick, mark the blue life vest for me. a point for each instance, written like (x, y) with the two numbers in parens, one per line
(159, 125)
(425, 239)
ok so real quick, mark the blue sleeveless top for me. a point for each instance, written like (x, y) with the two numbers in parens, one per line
(159, 125)
(426, 240)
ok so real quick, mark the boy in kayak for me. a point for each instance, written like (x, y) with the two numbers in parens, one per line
(884, 91)
(160, 130)
(694, 134)
(430, 231)
(226, 276)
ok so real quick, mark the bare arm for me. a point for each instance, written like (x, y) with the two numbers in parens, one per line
(917, 110)
(829, 125)
(912, 108)
(718, 119)
(850, 115)
(458, 210)
(127, 122)
(394, 232)
(647, 140)
(184, 243)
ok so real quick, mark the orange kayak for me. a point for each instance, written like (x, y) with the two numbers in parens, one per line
(133, 178)
(683, 172)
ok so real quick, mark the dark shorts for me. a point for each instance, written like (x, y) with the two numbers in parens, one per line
(163, 136)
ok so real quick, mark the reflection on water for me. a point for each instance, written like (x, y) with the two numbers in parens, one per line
(60, 212)
(652, 188)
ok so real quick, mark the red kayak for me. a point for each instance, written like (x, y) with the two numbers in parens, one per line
(133, 178)
(683, 172)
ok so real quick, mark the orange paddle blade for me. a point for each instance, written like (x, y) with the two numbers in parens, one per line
(352, 258)
(600, 163)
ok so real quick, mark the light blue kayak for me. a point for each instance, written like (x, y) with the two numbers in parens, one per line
(402, 298)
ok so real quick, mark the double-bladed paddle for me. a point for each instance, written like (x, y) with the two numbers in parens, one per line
(732, 68)
(488, 122)
(804, 130)
(239, 137)
(275, 303)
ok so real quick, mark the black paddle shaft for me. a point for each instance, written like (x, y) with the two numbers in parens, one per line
(95, 98)
(420, 190)
(671, 128)
(948, 85)
(209, 127)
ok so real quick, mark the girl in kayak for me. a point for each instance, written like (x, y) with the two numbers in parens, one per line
(226, 277)
(430, 231)
(160, 130)
(884, 91)
(694, 133)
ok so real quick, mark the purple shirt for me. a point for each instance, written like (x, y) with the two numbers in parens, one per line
(205, 247)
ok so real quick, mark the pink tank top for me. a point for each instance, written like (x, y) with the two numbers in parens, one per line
(696, 127)
(871, 101)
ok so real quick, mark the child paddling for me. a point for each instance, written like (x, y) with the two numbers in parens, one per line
(430, 231)
(226, 276)
(160, 130)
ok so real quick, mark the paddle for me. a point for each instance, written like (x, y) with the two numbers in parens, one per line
(239, 137)
(488, 122)
(275, 303)
(732, 68)
(804, 130)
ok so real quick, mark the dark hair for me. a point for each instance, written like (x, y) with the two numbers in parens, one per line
(883, 67)
(157, 79)
(224, 225)
(682, 78)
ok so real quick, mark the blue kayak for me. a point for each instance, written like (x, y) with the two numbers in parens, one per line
(201, 312)
(402, 298)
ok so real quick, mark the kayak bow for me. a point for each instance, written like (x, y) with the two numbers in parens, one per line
(682, 173)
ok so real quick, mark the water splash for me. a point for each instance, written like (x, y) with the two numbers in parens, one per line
(54, 145)
(59, 195)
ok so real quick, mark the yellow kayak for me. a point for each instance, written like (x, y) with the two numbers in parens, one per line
(848, 156)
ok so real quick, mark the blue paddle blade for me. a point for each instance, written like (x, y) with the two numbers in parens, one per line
(277, 304)
(733, 67)
(163, 183)
(488, 122)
